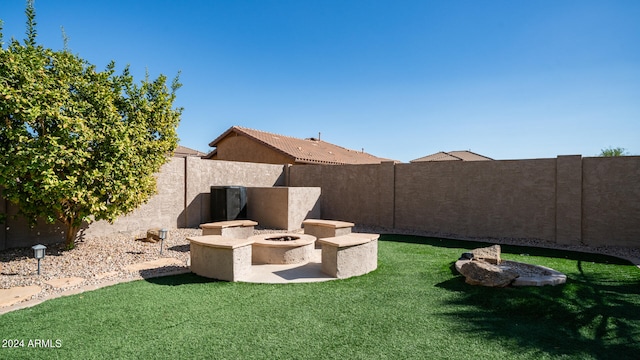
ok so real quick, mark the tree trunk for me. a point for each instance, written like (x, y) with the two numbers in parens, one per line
(70, 238)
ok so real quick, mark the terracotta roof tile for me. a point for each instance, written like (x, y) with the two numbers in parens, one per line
(304, 150)
(183, 151)
(465, 155)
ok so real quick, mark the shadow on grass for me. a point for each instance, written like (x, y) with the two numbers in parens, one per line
(181, 279)
(584, 317)
(596, 314)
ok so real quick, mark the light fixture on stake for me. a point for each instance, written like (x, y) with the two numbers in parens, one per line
(38, 253)
(162, 234)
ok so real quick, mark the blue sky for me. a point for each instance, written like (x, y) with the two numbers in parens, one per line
(401, 79)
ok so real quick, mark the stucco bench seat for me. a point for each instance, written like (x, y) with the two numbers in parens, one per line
(349, 255)
(326, 228)
(237, 229)
(222, 258)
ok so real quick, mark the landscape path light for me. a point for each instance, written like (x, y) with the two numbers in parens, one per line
(38, 253)
(162, 234)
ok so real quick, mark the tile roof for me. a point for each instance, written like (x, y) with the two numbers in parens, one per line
(183, 151)
(462, 155)
(303, 150)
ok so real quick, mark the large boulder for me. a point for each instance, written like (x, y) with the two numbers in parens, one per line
(489, 254)
(485, 274)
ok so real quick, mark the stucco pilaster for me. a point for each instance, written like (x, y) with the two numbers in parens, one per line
(569, 199)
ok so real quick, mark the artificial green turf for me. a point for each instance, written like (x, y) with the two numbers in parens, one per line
(414, 306)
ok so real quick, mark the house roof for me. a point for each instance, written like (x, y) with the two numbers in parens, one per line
(310, 150)
(462, 155)
(183, 151)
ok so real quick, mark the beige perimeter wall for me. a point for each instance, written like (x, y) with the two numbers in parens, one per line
(611, 201)
(513, 199)
(356, 193)
(568, 200)
(183, 198)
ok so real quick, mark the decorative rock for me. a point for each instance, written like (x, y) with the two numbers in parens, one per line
(485, 274)
(489, 254)
(153, 235)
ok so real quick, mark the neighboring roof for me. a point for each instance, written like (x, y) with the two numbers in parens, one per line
(462, 155)
(183, 151)
(302, 150)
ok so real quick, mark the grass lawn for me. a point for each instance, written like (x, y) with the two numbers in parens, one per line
(414, 306)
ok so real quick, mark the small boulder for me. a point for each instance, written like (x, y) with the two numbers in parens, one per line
(485, 274)
(153, 235)
(489, 254)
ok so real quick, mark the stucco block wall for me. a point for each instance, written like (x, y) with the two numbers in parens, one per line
(163, 210)
(611, 201)
(183, 200)
(478, 199)
(356, 193)
(202, 174)
(283, 207)
(567, 200)
(16, 231)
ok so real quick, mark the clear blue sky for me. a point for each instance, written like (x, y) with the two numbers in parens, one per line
(401, 79)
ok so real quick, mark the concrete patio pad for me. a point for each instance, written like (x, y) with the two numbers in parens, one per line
(282, 274)
(15, 295)
(289, 273)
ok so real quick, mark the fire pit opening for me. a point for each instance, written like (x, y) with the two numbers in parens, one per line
(282, 248)
(283, 238)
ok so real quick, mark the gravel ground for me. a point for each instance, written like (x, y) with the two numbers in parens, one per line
(97, 260)
(103, 260)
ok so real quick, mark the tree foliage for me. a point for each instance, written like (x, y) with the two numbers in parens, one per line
(77, 144)
(609, 152)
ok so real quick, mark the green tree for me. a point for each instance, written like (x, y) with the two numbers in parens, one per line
(77, 144)
(608, 152)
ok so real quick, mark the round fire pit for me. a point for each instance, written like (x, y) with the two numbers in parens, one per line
(282, 248)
